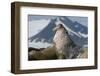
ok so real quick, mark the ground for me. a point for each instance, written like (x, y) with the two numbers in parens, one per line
(49, 53)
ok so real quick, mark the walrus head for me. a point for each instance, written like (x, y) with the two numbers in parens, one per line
(59, 26)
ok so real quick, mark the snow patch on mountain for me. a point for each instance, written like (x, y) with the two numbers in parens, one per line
(40, 44)
(83, 35)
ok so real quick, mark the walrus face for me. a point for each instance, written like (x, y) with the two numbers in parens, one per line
(57, 27)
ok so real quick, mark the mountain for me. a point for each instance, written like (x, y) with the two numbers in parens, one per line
(80, 29)
(46, 35)
(75, 26)
(77, 32)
